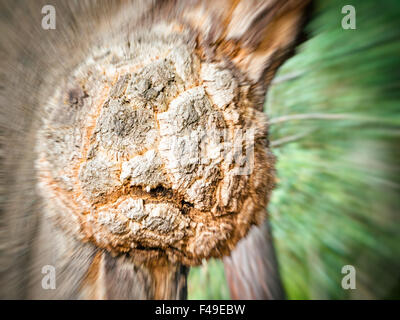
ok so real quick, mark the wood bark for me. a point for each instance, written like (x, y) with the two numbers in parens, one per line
(63, 205)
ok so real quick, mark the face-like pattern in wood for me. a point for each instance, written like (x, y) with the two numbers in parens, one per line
(154, 150)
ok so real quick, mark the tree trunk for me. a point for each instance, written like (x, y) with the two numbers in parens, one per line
(252, 269)
(84, 271)
(93, 183)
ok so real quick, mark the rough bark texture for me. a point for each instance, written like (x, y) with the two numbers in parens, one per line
(143, 154)
(110, 177)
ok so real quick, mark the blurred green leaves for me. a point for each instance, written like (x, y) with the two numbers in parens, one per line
(337, 196)
(208, 282)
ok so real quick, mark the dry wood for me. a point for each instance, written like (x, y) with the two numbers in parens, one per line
(103, 123)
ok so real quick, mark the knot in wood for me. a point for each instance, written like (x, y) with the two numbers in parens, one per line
(156, 154)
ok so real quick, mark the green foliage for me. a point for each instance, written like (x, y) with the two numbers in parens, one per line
(208, 282)
(336, 201)
(337, 196)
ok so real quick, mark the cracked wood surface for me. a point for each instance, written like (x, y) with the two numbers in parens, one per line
(116, 116)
